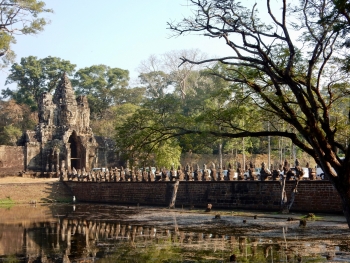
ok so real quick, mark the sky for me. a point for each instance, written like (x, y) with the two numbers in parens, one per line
(118, 33)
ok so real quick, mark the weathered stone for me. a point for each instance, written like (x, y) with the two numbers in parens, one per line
(173, 176)
(188, 173)
(63, 135)
(165, 175)
(240, 173)
(138, 175)
(180, 174)
(206, 175)
(144, 175)
(252, 172)
(276, 175)
(158, 174)
(221, 176)
(151, 175)
(312, 174)
(198, 175)
(122, 174)
(213, 172)
(264, 172)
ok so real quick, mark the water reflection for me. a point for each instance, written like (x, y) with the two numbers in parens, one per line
(67, 236)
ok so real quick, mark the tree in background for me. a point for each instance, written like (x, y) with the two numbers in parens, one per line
(340, 18)
(298, 79)
(180, 76)
(102, 85)
(113, 117)
(161, 74)
(34, 76)
(298, 85)
(19, 17)
(14, 120)
(106, 88)
(110, 98)
(156, 83)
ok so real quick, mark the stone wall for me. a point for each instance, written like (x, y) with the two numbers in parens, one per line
(33, 157)
(312, 196)
(11, 159)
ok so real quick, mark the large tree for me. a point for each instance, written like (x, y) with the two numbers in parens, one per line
(19, 17)
(14, 120)
(289, 63)
(34, 76)
(104, 87)
(109, 95)
(160, 74)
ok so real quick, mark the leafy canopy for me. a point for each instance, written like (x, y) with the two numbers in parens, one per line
(19, 17)
(104, 87)
(34, 76)
(285, 72)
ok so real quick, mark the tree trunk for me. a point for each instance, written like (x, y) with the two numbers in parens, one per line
(344, 192)
(342, 185)
(285, 204)
(173, 198)
(284, 199)
(346, 209)
(294, 191)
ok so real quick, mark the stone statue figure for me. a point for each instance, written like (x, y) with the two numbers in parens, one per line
(206, 175)
(180, 173)
(252, 172)
(213, 173)
(198, 175)
(287, 171)
(264, 172)
(240, 172)
(158, 174)
(164, 175)
(221, 176)
(172, 173)
(144, 175)
(151, 175)
(188, 173)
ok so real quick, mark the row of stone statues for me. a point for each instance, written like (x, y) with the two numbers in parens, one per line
(189, 174)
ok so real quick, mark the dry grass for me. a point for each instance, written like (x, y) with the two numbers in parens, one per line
(24, 180)
(30, 190)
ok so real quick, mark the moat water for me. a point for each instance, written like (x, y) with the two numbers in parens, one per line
(110, 233)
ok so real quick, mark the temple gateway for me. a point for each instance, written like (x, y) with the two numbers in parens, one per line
(63, 137)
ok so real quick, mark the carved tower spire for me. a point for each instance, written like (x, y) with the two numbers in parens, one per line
(65, 100)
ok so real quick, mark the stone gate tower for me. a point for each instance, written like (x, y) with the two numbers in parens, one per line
(63, 137)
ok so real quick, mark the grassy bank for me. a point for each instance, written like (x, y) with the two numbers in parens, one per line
(26, 193)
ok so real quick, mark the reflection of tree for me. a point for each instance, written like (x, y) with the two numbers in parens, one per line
(71, 238)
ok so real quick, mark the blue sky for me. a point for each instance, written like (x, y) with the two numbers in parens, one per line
(118, 33)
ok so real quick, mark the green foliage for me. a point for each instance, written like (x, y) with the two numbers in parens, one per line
(272, 85)
(167, 154)
(156, 82)
(14, 119)
(104, 87)
(34, 76)
(211, 105)
(7, 200)
(113, 117)
(123, 112)
(6, 203)
(19, 17)
(9, 135)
